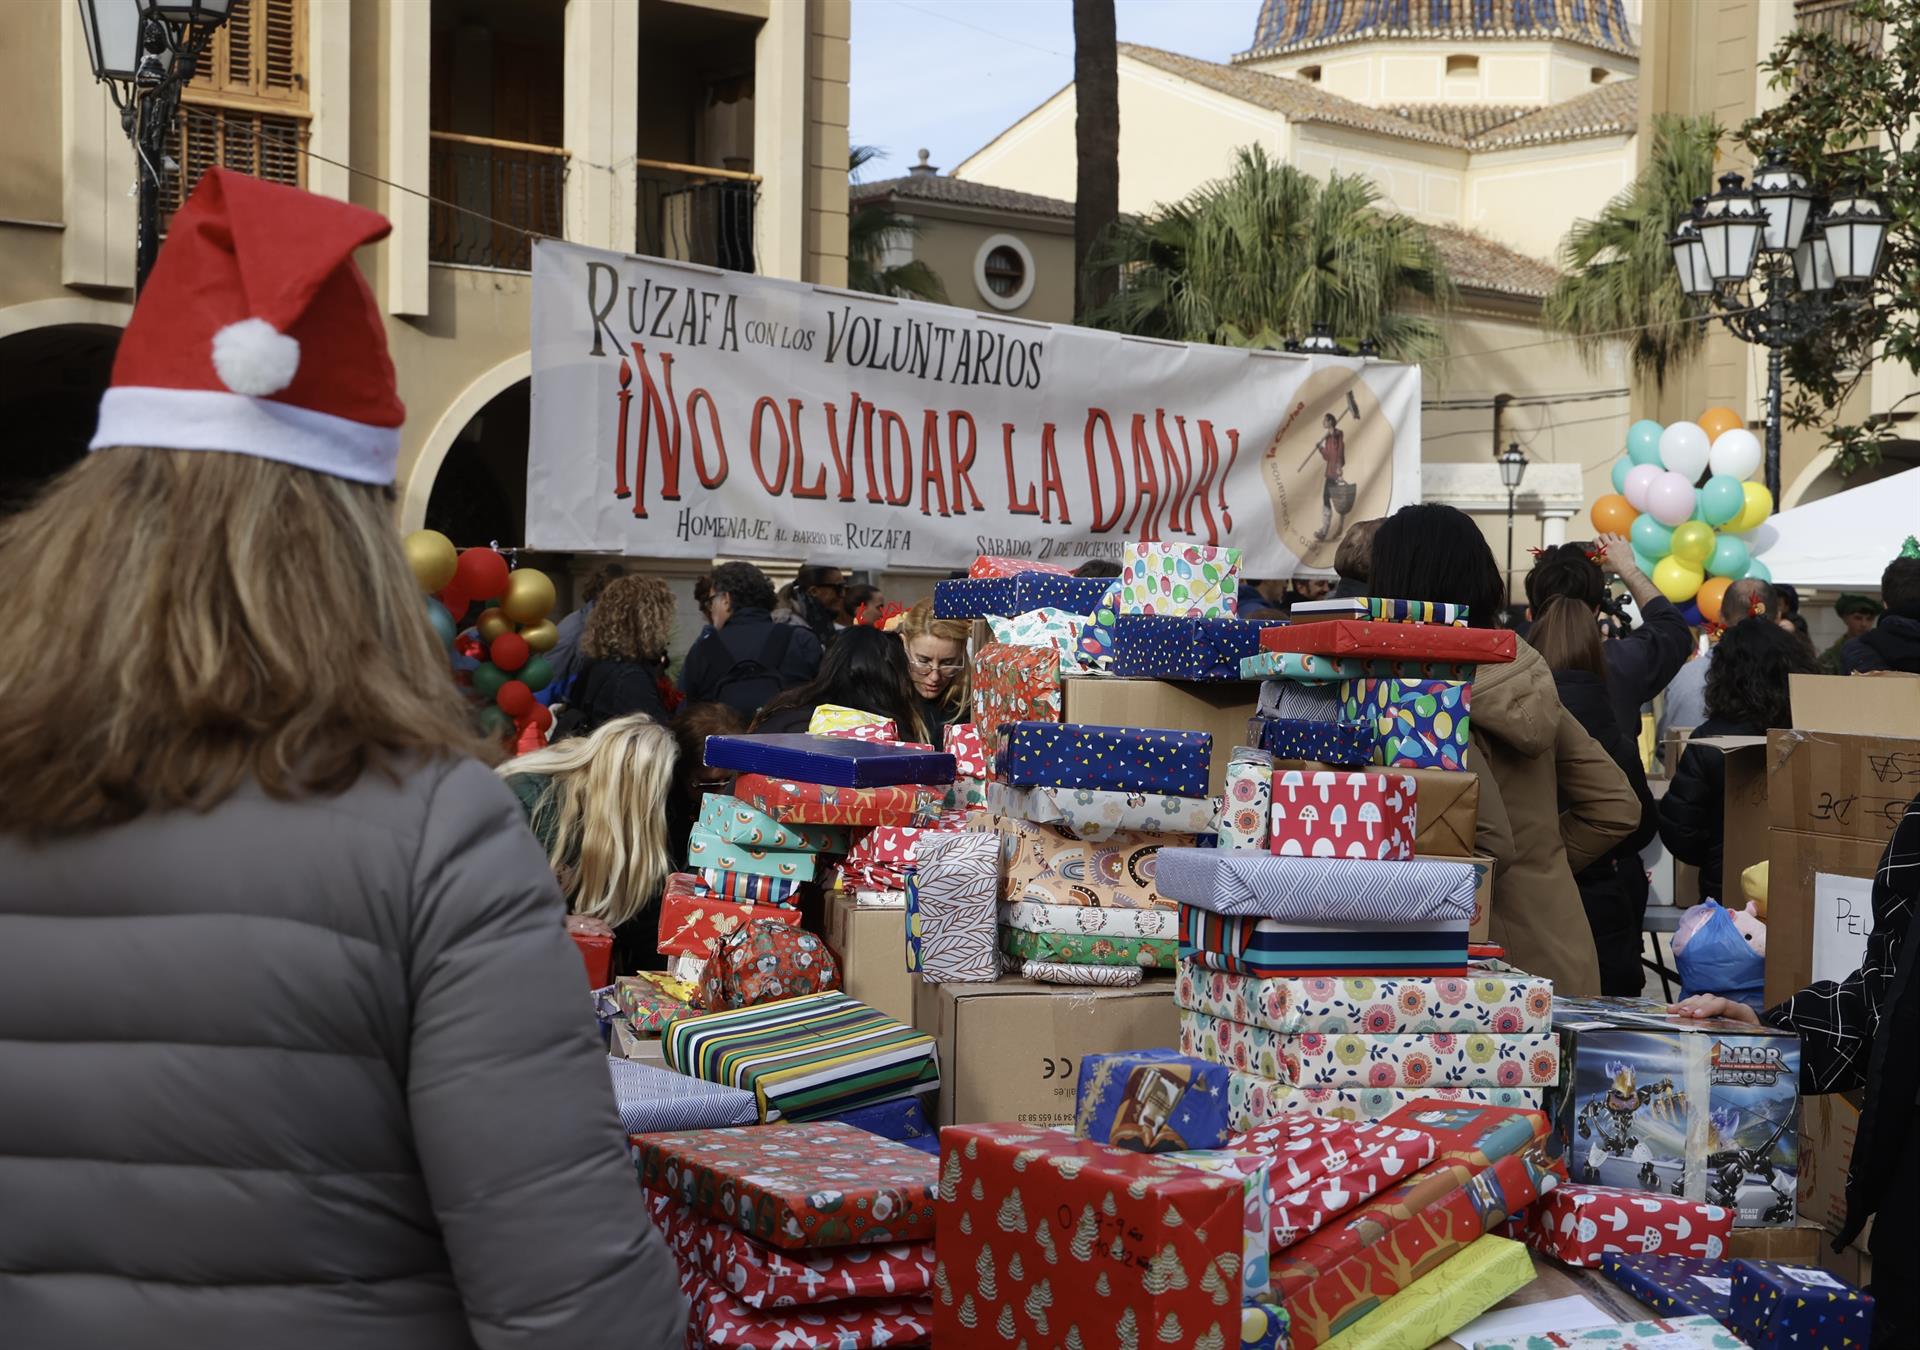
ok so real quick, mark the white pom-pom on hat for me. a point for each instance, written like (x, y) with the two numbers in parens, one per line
(253, 357)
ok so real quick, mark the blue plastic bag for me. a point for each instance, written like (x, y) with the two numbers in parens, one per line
(1712, 957)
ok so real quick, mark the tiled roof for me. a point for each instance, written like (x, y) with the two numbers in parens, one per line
(930, 187)
(1477, 263)
(1465, 120)
(1299, 25)
(1611, 109)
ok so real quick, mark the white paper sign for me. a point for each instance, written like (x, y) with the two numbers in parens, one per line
(1842, 918)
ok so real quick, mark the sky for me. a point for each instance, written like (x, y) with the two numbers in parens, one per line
(950, 75)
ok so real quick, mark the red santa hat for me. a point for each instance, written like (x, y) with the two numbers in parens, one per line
(257, 335)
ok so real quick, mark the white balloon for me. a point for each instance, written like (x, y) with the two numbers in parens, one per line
(1683, 450)
(1735, 452)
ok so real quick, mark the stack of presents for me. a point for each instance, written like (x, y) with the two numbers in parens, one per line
(1363, 1128)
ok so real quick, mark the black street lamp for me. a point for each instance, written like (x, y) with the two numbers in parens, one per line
(1513, 468)
(1778, 263)
(144, 52)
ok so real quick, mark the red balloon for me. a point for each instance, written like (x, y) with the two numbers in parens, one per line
(541, 716)
(509, 651)
(456, 600)
(481, 574)
(515, 698)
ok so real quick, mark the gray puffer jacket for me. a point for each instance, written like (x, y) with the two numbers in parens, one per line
(316, 1073)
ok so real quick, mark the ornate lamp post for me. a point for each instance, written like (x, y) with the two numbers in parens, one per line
(144, 51)
(1777, 263)
(1513, 467)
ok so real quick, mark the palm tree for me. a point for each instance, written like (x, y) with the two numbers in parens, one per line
(1269, 252)
(1096, 146)
(1619, 276)
(872, 231)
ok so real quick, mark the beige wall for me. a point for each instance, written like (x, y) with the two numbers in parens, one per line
(1529, 197)
(1382, 73)
(1423, 181)
(950, 247)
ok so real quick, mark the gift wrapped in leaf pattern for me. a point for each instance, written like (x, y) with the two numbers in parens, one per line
(1041, 865)
(1417, 724)
(1064, 972)
(1180, 580)
(951, 894)
(1090, 813)
(1323, 813)
(1507, 1004)
(1411, 1059)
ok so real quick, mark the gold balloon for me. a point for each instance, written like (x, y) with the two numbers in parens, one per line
(529, 595)
(494, 623)
(432, 557)
(541, 636)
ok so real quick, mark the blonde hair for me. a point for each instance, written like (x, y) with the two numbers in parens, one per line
(188, 621)
(605, 811)
(919, 622)
(631, 621)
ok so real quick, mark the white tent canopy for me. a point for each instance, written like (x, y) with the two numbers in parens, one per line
(1844, 541)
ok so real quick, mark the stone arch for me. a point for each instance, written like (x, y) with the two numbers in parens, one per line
(433, 451)
(56, 357)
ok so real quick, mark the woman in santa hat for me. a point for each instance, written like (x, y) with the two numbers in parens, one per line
(295, 1048)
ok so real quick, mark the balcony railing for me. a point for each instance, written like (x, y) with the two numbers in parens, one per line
(490, 197)
(697, 214)
(1841, 19)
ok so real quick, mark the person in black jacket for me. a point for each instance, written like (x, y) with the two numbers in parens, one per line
(864, 669)
(1567, 636)
(1746, 695)
(1894, 642)
(747, 658)
(1864, 1032)
(624, 654)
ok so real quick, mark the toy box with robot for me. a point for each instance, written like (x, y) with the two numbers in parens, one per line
(1708, 1110)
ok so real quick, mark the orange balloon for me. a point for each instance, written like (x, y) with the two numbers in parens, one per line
(1712, 591)
(1613, 514)
(1716, 420)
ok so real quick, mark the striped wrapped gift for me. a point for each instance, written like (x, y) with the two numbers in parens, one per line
(1268, 948)
(805, 1058)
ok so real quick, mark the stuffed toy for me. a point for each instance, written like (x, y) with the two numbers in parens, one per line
(1721, 951)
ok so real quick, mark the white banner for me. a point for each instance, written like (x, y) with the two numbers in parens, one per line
(680, 411)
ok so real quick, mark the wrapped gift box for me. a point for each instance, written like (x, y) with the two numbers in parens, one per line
(1095, 949)
(1342, 741)
(796, 1186)
(830, 718)
(1579, 1224)
(899, 845)
(1041, 865)
(1288, 701)
(830, 760)
(1065, 972)
(1503, 1004)
(651, 1098)
(746, 888)
(1381, 609)
(1013, 684)
(1254, 1101)
(1156, 1101)
(1062, 1241)
(689, 924)
(991, 565)
(708, 851)
(805, 1058)
(1102, 920)
(1680, 1333)
(1247, 802)
(759, 1276)
(1411, 1060)
(1115, 759)
(1418, 724)
(731, 819)
(596, 950)
(1446, 808)
(1675, 1286)
(1052, 629)
(1093, 814)
(978, 597)
(1659, 1102)
(1323, 1167)
(1776, 1306)
(1252, 882)
(903, 1120)
(1183, 649)
(722, 1322)
(1254, 1172)
(951, 896)
(1263, 1326)
(1375, 641)
(1244, 944)
(1464, 1286)
(653, 1000)
(1323, 813)
(1180, 580)
(764, 962)
(1096, 639)
(965, 794)
(1300, 667)
(969, 756)
(791, 802)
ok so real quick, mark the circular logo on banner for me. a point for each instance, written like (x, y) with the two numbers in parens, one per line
(1331, 464)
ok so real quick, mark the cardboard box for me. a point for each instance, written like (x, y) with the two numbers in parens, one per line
(871, 944)
(1800, 1244)
(1011, 1051)
(1846, 786)
(1849, 705)
(1828, 1125)
(1818, 908)
(1446, 805)
(1221, 708)
(1744, 814)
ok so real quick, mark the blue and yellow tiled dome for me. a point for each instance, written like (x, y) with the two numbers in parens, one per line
(1293, 25)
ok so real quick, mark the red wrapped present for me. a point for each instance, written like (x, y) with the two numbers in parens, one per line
(1579, 1224)
(760, 1276)
(1333, 813)
(1323, 1167)
(1013, 684)
(991, 565)
(818, 1184)
(1062, 1241)
(1376, 641)
(596, 949)
(689, 923)
(969, 758)
(764, 962)
(818, 804)
(721, 1322)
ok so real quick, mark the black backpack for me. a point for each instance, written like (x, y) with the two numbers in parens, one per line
(752, 682)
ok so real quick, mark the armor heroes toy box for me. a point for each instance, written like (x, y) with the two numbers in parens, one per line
(1706, 1110)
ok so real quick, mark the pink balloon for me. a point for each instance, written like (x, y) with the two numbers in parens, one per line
(1670, 498)
(1640, 478)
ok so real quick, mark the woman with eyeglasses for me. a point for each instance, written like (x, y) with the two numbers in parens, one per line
(865, 669)
(937, 664)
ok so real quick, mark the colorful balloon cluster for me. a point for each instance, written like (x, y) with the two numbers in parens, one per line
(1681, 495)
(503, 658)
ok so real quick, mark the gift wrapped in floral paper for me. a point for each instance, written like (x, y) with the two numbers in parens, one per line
(1095, 814)
(1509, 1004)
(1323, 813)
(764, 962)
(1418, 724)
(1115, 759)
(790, 801)
(1254, 1101)
(1410, 1059)
(1040, 864)
(1183, 649)
(1052, 629)
(951, 894)
(1346, 741)
(1253, 882)
(830, 760)
(992, 565)
(710, 851)
(1013, 684)
(1580, 1223)
(1156, 1101)
(1276, 949)
(1180, 580)
(1247, 804)
(1375, 641)
(731, 819)
(690, 924)
(1090, 949)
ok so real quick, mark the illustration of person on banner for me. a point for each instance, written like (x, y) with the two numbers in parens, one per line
(1336, 494)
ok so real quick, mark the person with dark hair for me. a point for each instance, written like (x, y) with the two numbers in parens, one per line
(863, 602)
(1686, 702)
(1551, 801)
(1569, 641)
(865, 669)
(1746, 695)
(1353, 560)
(1894, 642)
(1097, 567)
(813, 599)
(692, 778)
(1858, 613)
(748, 658)
(564, 660)
(1795, 623)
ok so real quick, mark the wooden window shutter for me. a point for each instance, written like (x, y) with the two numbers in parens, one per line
(259, 53)
(246, 107)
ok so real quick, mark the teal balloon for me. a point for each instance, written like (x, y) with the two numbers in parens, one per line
(1650, 538)
(1620, 468)
(1643, 562)
(1720, 501)
(494, 722)
(1730, 557)
(487, 679)
(1759, 571)
(1643, 442)
(536, 674)
(1699, 508)
(443, 626)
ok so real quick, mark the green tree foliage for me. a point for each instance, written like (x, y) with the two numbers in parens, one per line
(872, 230)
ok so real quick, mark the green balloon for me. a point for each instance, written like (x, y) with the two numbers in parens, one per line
(487, 679)
(494, 722)
(1730, 558)
(1722, 499)
(536, 674)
